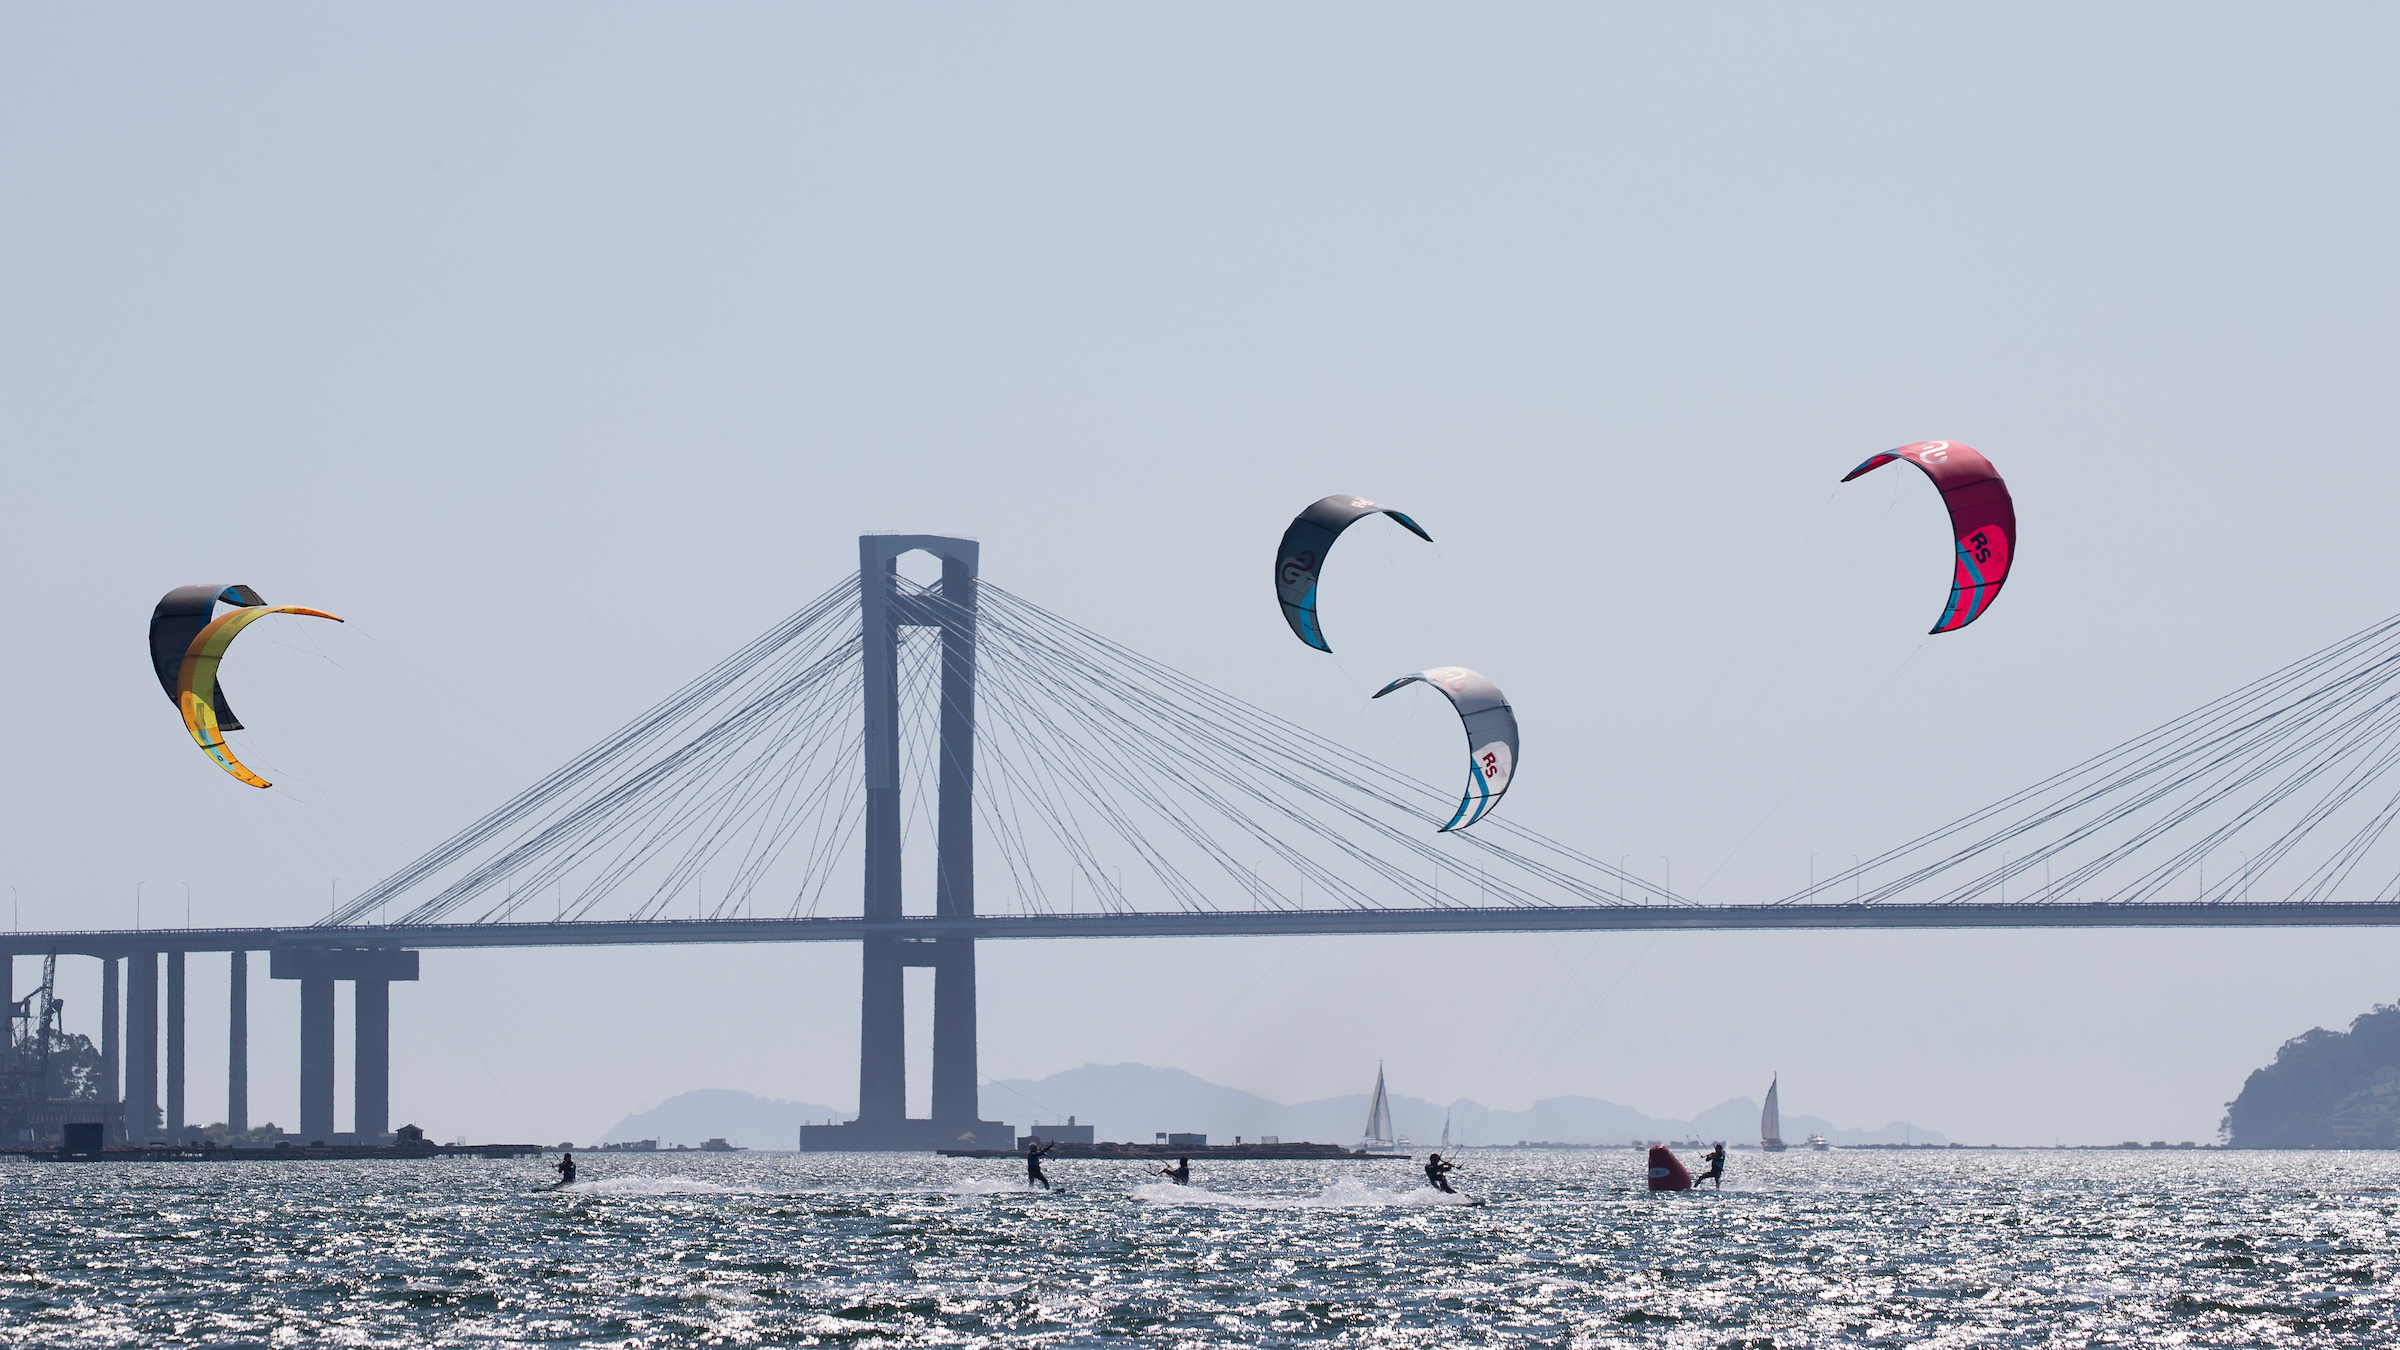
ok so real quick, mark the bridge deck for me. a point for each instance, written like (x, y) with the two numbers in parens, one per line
(1261, 923)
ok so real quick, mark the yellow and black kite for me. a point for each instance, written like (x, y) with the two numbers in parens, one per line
(186, 646)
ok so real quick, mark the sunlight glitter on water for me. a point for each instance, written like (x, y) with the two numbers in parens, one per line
(1945, 1248)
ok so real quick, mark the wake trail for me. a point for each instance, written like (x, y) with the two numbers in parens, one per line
(1347, 1193)
(651, 1185)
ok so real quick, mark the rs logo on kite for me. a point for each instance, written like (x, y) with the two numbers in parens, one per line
(1983, 522)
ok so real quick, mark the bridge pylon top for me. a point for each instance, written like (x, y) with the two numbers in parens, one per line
(877, 552)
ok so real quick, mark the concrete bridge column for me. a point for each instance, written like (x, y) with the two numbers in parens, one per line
(316, 1059)
(237, 1048)
(8, 999)
(141, 1047)
(882, 1022)
(957, 1099)
(175, 1116)
(371, 1074)
(882, 1002)
(372, 970)
(112, 1054)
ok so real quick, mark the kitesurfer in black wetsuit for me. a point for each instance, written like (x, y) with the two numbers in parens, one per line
(1715, 1158)
(1437, 1173)
(566, 1168)
(1035, 1149)
(1180, 1173)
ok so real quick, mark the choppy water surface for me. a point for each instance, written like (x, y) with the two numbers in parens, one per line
(1956, 1248)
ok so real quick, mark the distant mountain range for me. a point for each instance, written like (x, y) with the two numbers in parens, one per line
(1135, 1102)
(721, 1113)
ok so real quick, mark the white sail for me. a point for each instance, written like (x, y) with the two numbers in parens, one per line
(1770, 1120)
(1445, 1130)
(1379, 1117)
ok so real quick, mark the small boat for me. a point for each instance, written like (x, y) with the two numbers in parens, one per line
(1770, 1120)
(1819, 1142)
(1379, 1133)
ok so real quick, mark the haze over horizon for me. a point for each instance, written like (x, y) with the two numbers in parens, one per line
(562, 361)
(1131, 1103)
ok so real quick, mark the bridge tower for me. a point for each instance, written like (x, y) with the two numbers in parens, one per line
(883, 1124)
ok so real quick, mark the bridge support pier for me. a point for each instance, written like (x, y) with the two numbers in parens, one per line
(112, 1052)
(956, 1093)
(372, 970)
(141, 1047)
(237, 1048)
(177, 1123)
(883, 1124)
(882, 1024)
(371, 1086)
(316, 1058)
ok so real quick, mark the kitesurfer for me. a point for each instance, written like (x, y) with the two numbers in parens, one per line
(1437, 1174)
(1035, 1150)
(1180, 1173)
(566, 1168)
(1715, 1158)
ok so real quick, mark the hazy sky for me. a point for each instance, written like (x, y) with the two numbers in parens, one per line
(562, 348)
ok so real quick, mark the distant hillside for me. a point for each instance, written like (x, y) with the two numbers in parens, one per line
(1589, 1120)
(720, 1113)
(2326, 1089)
(1135, 1102)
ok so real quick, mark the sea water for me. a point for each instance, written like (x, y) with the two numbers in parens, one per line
(1952, 1247)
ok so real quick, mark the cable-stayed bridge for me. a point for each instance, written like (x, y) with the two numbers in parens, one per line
(979, 767)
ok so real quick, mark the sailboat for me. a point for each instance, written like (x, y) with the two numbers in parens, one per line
(1379, 1133)
(1445, 1129)
(1770, 1120)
